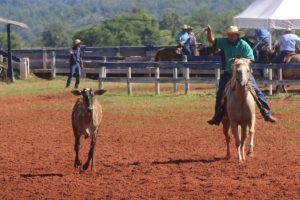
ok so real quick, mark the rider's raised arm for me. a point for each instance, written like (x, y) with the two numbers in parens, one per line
(210, 35)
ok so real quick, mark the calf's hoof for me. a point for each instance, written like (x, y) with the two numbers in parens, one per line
(227, 157)
(85, 166)
(77, 163)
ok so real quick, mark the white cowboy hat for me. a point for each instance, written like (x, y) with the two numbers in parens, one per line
(190, 28)
(288, 30)
(77, 41)
(233, 30)
(184, 27)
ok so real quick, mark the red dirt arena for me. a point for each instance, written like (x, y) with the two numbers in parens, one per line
(166, 153)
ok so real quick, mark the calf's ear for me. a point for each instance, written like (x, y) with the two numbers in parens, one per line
(99, 92)
(76, 92)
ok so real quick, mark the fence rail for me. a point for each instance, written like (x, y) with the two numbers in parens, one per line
(110, 60)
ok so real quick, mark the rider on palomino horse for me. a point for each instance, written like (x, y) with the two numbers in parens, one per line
(183, 40)
(234, 47)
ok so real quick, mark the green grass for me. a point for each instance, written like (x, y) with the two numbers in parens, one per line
(142, 93)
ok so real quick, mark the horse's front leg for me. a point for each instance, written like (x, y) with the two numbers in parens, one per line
(235, 131)
(226, 127)
(243, 140)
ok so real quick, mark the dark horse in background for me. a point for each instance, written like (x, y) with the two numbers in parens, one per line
(176, 53)
(169, 54)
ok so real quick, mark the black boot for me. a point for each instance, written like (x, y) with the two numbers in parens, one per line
(217, 118)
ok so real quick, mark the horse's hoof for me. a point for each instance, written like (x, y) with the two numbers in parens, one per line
(250, 154)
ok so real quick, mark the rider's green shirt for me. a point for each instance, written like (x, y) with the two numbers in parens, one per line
(239, 49)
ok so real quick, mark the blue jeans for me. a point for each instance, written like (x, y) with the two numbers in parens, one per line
(74, 69)
(186, 49)
(280, 56)
(260, 100)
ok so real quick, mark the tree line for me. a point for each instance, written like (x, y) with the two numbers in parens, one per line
(134, 27)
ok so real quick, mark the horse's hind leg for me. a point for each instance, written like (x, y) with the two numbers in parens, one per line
(226, 127)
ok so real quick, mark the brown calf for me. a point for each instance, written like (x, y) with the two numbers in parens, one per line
(86, 119)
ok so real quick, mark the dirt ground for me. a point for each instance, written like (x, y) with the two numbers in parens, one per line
(175, 155)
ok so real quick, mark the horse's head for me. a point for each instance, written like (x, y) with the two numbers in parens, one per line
(241, 71)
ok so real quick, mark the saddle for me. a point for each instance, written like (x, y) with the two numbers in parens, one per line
(179, 50)
(288, 57)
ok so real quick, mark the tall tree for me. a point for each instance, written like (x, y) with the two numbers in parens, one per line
(55, 35)
(135, 28)
(16, 42)
(171, 21)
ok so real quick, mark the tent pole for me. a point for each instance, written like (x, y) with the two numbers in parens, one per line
(270, 69)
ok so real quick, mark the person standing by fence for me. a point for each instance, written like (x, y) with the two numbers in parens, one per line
(75, 63)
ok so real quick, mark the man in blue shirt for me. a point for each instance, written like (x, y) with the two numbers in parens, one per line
(234, 47)
(75, 63)
(183, 40)
(262, 39)
(287, 43)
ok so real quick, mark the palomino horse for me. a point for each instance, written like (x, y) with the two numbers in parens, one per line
(240, 108)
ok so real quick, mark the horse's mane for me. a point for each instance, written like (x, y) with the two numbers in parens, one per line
(230, 86)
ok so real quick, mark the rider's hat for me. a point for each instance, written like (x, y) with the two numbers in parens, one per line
(184, 27)
(233, 30)
(288, 30)
(77, 41)
(189, 28)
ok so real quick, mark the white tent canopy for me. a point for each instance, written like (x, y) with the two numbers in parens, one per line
(270, 14)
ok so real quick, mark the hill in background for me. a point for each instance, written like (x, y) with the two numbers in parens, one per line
(78, 14)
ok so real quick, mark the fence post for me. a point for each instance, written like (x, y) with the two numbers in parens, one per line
(280, 74)
(102, 75)
(129, 86)
(175, 77)
(24, 68)
(217, 76)
(53, 68)
(157, 85)
(44, 58)
(186, 75)
(118, 52)
(270, 79)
